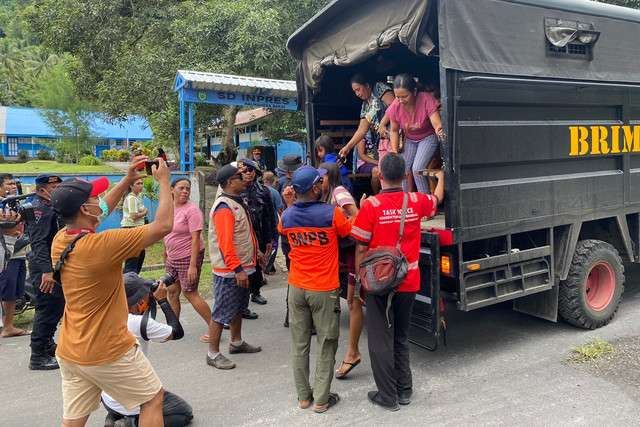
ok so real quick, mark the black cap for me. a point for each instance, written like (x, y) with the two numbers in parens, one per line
(226, 172)
(47, 178)
(72, 193)
(135, 287)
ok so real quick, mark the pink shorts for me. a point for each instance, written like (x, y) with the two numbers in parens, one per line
(384, 148)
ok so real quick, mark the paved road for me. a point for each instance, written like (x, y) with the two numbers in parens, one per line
(500, 368)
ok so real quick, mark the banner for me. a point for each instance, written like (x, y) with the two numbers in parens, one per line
(236, 98)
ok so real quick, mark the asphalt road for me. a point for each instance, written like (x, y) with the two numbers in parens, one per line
(499, 368)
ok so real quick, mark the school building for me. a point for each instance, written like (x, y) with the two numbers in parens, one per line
(25, 129)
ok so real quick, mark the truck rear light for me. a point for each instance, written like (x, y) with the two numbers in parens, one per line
(445, 264)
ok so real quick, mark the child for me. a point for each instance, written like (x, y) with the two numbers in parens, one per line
(326, 152)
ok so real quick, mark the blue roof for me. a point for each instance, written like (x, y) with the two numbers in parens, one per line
(26, 122)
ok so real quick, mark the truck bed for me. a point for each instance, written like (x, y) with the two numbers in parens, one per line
(434, 222)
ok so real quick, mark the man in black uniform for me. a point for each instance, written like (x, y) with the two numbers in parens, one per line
(263, 221)
(49, 304)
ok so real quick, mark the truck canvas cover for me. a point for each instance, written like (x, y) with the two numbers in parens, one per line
(506, 37)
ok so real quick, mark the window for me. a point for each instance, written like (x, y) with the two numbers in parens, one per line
(570, 39)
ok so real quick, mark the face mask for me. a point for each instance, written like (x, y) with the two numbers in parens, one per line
(105, 210)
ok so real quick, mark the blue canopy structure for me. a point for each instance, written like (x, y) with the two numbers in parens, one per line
(198, 87)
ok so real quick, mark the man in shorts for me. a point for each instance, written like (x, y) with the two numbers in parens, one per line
(12, 279)
(234, 251)
(96, 352)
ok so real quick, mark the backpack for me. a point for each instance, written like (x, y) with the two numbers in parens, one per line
(384, 268)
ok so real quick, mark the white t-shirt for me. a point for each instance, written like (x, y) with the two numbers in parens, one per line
(156, 332)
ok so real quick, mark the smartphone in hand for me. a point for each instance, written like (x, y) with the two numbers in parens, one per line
(148, 164)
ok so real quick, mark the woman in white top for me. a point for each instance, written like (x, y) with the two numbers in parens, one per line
(133, 215)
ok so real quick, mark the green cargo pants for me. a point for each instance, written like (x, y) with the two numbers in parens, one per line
(322, 309)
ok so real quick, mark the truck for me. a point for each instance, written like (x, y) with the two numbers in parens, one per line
(540, 103)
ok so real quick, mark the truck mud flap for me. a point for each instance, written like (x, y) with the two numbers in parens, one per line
(424, 329)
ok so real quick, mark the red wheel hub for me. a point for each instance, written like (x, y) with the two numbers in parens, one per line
(601, 285)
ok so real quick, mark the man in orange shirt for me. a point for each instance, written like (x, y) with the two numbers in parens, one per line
(312, 229)
(96, 351)
(234, 253)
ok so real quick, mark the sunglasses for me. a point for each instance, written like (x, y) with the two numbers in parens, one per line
(248, 169)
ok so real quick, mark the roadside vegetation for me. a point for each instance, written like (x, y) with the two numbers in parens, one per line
(592, 350)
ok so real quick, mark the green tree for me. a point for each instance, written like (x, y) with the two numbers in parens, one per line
(66, 113)
(128, 52)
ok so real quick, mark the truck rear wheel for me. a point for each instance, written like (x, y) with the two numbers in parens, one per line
(590, 296)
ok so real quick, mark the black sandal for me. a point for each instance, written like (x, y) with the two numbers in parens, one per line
(333, 400)
(351, 366)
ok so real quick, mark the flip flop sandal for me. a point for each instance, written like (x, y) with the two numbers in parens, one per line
(22, 333)
(333, 400)
(351, 366)
(204, 338)
(304, 404)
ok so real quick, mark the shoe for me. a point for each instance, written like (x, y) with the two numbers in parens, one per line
(351, 366)
(226, 326)
(220, 362)
(43, 362)
(125, 422)
(404, 397)
(333, 401)
(245, 347)
(51, 349)
(374, 397)
(110, 419)
(258, 299)
(248, 314)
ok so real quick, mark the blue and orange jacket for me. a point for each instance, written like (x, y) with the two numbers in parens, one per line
(312, 229)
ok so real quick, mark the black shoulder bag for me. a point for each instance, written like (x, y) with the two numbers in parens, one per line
(60, 263)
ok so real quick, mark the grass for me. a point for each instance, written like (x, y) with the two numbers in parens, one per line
(590, 351)
(51, 166)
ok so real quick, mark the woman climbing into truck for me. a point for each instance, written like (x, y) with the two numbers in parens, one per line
(417, 113)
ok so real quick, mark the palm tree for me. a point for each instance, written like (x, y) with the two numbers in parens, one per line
(10, 59)
(38, 60)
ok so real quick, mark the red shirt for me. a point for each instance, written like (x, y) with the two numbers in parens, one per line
(378, 224)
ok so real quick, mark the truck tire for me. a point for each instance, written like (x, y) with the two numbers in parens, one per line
(590, 296)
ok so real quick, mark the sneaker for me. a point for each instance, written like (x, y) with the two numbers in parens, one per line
(245, 347)
(374, 397)
(404, 397)
(43, 362)
(220, 362)
(258, 299)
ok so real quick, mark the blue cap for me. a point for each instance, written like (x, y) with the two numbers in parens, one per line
(48, 178)
(249, 163)
(306, 177)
